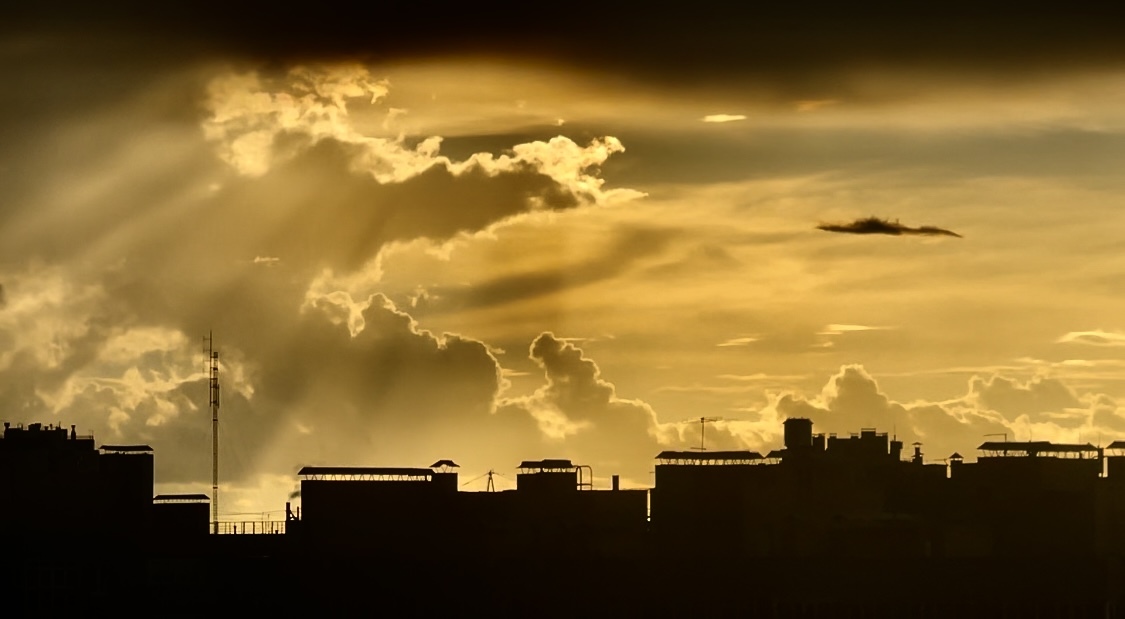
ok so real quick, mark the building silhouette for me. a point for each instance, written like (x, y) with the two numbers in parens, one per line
(824, 525)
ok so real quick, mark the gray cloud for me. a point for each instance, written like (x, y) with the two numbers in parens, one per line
(876, 225)
(1012, 398)
(631, 245)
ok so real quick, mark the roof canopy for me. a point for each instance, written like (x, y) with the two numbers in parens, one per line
(1033, 448)
(365, 473)
(710, 457)
(441, 463)
(126, 448)
(547, 465)
(181, 498)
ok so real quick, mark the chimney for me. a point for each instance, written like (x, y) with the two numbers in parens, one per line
(73, 433)
(616, 482)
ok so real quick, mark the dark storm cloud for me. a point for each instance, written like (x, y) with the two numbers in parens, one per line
(876, 225)
(782, 44)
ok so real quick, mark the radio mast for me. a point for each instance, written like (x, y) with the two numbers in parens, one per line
(213, 363)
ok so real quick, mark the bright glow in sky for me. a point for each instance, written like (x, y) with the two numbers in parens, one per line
(413, 258)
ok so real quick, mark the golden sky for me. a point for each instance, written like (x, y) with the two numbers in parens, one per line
(496, 238)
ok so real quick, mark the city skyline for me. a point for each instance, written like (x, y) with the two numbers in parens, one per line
(494, 239)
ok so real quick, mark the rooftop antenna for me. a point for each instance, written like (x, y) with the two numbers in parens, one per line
(490, 486)
(213, 392)
(1004, 434)
(703, 421)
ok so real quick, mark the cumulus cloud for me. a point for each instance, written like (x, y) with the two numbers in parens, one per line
(582, 414)
(1013, 398)
(148, 251)
(1043, 408)
(876, 225)
(261, 121)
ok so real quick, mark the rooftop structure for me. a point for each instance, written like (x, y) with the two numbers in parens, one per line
(181, 498)
(709, 457)
(534, 466)
(364, 473)
(1007, 449)
(126, 449)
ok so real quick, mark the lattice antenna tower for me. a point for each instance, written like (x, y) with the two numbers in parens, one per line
(213, 396)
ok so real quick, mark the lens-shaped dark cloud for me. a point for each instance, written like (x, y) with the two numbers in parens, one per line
(877, 225)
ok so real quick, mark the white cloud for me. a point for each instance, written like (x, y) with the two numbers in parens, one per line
(252, 116)
(835, 329)
(761, 377)
(739, 341)
(723, 118)
(1093, 338)
(810, 105)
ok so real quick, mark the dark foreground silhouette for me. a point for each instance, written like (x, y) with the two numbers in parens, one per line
(826, 526)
